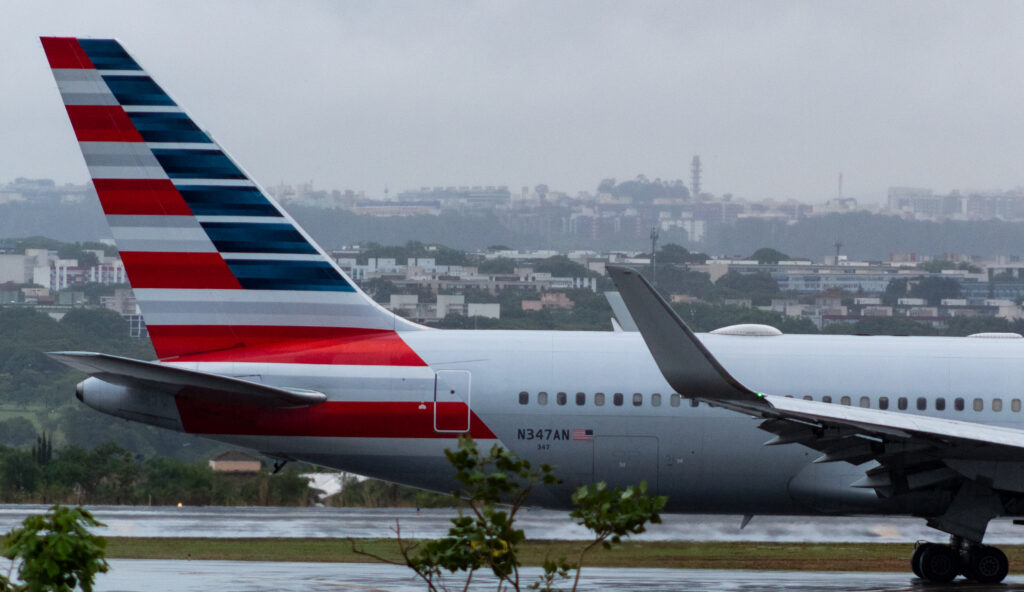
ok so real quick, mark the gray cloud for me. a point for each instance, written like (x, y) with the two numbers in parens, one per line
(777, 97)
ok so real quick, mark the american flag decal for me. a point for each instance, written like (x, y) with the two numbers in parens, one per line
(582, 434)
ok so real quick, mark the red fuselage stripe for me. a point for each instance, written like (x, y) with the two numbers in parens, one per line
(282, 345)
(331, 419)
(140, 197)
(65, 52)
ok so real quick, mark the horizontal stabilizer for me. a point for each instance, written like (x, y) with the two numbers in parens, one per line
(686, 364)
(187, 383)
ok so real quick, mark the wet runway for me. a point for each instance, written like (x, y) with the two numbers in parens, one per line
(230, 576)
(129, 575)
(145, 521)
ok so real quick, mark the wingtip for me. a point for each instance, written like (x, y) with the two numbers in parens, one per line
(620, 269)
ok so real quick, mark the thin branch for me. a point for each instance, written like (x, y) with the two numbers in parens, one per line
(579, 563)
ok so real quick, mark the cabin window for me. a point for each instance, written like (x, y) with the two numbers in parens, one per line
(979, 404)
(826, 399)
(675, 399)
(599, 399)
(581, 399)
(694, 402)
(845, 400)
(1015, 405)
(617, 399)
(958, 403)
(808, 398)
(638, 399)
(922, 403)
(561, 398)
(902, 403)
(865, 402)
(542, 398)
(524, 398)
(656, 400)
(997, 404)
(940, 404)
(883, 402)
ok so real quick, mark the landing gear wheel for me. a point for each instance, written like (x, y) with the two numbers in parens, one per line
(938, 564)
(915, 558)
(986, 565)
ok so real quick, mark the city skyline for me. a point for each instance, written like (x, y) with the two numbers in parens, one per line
(777, 98)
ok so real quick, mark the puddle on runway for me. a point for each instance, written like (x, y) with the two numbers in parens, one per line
(221, 522)
(131, 575)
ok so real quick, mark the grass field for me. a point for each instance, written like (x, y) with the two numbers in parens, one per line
(31, 413)
(679, 555)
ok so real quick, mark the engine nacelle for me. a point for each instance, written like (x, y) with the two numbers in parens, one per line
(152, 406)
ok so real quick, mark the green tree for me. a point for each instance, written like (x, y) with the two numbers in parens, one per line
(768, 255)
(43, 450)
(702, 316)
(379, 289)
(937, 266)
(676, 254)
(935, 289)
(17, 432)
(881, 326)
(612, 514)
(677, 280)
(963, 326)
(19, 475)
(494, 488)
(562, 266)
(894, 290)
(57, 552)
(100, 324)
(759, 287)
(497, 266)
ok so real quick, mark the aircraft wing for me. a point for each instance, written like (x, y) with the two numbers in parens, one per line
(913, 452)
(184, 382)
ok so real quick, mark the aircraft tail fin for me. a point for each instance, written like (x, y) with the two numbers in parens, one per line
(220, 271)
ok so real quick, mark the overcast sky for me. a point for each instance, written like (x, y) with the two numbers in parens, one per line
(776, 97)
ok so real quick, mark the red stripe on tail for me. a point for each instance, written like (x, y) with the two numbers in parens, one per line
(282, 345)
(102, 123)
(340, 419)
(65, 52)
(178, 270)
(140, 197)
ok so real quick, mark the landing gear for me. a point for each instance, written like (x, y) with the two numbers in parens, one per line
(940, 564)
(936, 563)
(986, 565)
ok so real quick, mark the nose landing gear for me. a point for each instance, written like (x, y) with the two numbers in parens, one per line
(940, 564)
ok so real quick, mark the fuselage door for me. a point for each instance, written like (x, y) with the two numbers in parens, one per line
(621, 461)
(451, 401)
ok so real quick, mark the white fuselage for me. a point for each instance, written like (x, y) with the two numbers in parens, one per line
(704, 459)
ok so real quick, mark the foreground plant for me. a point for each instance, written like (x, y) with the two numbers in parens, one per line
(54, 552)
(494, 488)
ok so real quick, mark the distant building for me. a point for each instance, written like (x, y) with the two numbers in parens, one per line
(490, 310)
(549, 300)
(236, 461)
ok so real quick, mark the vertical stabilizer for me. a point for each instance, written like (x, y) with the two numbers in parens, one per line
(220, 271)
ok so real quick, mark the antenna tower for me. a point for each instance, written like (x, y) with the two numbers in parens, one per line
(695, 170)
(654, 252)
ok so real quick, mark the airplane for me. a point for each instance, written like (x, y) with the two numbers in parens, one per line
(265, 343)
